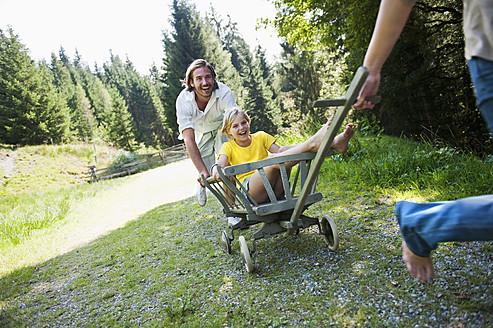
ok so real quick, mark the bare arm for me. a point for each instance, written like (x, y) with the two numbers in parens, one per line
(222, 162)
(391, 19)
(194, 152)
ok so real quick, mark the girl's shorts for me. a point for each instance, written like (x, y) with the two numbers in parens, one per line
(245, 183)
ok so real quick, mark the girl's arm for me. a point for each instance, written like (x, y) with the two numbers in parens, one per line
(274, 148)
(222, 162)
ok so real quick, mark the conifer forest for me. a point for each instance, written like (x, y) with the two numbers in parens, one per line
(426, 89)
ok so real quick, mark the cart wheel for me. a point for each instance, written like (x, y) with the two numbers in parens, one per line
(245, 253)
(329, 231)
(225, 242)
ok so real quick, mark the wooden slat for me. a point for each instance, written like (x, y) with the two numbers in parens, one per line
(267, 186)
(340, 115)
(285, 181)
(251, 166)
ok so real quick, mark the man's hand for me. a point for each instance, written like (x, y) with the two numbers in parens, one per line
(206, 175)
(369, 89)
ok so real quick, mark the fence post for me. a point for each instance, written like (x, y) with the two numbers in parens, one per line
(163, 158)
(148, 160)
(93, 172)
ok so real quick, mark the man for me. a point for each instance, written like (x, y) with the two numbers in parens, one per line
(199, 110)
(424, 225)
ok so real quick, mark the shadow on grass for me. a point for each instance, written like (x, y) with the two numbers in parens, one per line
(167, 269)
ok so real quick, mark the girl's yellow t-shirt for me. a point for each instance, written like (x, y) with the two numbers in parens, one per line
(258, 150)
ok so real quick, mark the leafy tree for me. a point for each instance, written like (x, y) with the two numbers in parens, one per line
(425, 86)
(31, 111)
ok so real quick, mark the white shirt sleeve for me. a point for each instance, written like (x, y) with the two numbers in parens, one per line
(184, 112)
(227, 99)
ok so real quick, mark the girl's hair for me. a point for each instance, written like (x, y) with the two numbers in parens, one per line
(229, 116)
(197, 63)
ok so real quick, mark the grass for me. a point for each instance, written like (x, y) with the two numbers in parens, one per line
(48, 181)
(167, 268)
(51, 167)
(23, 214)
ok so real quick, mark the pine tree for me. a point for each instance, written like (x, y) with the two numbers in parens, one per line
(119, 126)
(255, 92)
(260, 107)
(31, 111)
(83, 121)
(191, 38)
(143, 102)
(241, 56)
(299, 82)
(85, 98)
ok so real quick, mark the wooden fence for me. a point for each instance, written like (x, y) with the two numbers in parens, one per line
(149, 161)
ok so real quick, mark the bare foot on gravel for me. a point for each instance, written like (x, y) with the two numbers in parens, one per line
(419, 267)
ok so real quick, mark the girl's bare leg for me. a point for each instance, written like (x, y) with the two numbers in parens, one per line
(340, 144)
(256, 185)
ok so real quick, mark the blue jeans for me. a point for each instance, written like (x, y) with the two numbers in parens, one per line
(424, 225)
(482, 77)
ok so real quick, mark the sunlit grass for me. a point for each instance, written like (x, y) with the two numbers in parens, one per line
(50, 167)
(22, 214)
(416, 170)
(47, 182)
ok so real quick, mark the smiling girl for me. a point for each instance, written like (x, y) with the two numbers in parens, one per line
(244, 147)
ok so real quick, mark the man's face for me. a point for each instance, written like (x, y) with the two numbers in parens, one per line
(203, 82)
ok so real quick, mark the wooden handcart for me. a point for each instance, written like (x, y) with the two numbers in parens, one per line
(283, 215)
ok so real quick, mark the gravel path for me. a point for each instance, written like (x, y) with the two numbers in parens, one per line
(7, 164)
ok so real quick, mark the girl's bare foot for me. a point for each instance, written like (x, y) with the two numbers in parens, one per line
(419, 267)
(341, 141)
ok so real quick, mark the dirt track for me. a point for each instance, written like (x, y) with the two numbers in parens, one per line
(142, 192)
(7, 164)
(95, 217)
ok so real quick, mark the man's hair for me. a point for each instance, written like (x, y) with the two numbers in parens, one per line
(198, 63)
(229, 116)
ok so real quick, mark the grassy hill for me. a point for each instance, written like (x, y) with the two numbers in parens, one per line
(49, 167)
